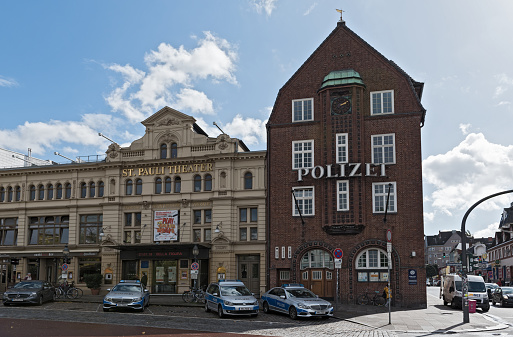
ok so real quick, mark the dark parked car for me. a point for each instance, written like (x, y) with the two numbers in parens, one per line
(490, 289)
(33, 291)
(503, 295)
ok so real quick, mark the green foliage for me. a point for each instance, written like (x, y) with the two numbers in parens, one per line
(93, 281)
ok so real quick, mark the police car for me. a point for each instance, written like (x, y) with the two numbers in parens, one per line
(127, 294)
(230, 297)
(296, 301)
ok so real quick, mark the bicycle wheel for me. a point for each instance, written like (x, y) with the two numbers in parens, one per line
(187, 296)
(58, 292)
(72, 293)
(379, 301)
(200, 297)
(362, 299)
(80, 292)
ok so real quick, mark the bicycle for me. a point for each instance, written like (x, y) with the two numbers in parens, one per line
(193, 295)
(377, 299)
(66, 290)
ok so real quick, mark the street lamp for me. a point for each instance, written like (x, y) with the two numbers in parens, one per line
(65, 251)
(195, 253)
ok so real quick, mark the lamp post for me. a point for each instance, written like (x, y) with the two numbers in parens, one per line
(195, 253)
(65, 252)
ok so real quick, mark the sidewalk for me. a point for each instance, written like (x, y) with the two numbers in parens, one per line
(436, 318)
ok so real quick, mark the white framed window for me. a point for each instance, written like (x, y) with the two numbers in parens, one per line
(302, 154)
(343, 195)
(341, 148)
(329, 275)
(383, 149)
(302, 110)
(289, 252)
(305, 275)
(372, 258)
(305, 197)
(316, 274)
(317, 258)
(284, 275)
(382, 102)
(380, 195)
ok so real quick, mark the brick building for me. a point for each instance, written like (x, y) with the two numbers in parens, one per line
(344, 137)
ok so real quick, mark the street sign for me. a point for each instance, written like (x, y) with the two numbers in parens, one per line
(389, 235)
(64, 267)
(338, 253)
(338, 263)
(195, 266)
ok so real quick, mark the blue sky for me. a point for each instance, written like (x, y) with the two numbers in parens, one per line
(71, 69)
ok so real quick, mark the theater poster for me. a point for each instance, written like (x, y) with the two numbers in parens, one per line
(165, 226)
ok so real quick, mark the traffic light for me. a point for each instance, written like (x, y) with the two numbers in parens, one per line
(443, 255)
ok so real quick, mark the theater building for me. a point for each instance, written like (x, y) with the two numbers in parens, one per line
(173, 197)
(344, 141)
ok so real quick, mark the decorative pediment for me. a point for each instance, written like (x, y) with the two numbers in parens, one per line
(168, 117)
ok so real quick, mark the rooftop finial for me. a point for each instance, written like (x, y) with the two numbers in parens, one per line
(340, 11)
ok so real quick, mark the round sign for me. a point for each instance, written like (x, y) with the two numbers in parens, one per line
(64, 267)
(389, 235)
(195, 266)
(338, 253)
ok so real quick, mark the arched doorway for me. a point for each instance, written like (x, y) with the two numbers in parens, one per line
(317, 272)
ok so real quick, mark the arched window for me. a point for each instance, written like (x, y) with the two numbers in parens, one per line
(248, 181)
(2, 194)
(41, 192)
(174, 150)
(32, 193)
(18, 193)
(372, 258)
(129, 186)
(167, 188)
(101, 188)
(83, 190)
(138, 186)
(178, 185)
(197, 183)
(67, 194)
(59, 191)
(317, 258)
(208, 182)
(163, 151)
(158, 186)
(9, 194)
(92, 189)
(49, 192)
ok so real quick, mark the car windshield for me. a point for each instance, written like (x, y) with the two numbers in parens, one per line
(127, 288)
(477, 287)
(28, 285)
(507, 290)
(235, 291)
(300, 293)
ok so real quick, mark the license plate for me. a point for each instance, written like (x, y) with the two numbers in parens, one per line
(17, 299)
(245, 308)
(320, 312)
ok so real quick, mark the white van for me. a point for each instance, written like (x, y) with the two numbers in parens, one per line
(450, 291)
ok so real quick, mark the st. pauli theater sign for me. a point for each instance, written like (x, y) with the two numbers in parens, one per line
(165, 226)
(167, 169)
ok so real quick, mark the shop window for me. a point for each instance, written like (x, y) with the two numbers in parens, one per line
(208, 182)
(87, 266)
(248, 181)
(163, 151)
(158, 186)
(90, 228)
(101, 188)
(178, 185)
(50, 230)
(59, 191)
(138, 186)
(197, 183)
(68, 191)
(8, 231)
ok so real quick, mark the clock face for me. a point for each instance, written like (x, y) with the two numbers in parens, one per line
(341, 105)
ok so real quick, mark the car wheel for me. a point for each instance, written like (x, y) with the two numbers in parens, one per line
(325, 317)
(54, 297)
(293, 313)
(207, 309)
(254, 315)
(445, 302)
(5, 303)
(142, 308)
(220, 312)
(453, 304)
(266, 307)
(493, 302)
(106, 309)
(40, 300)
(485, 309)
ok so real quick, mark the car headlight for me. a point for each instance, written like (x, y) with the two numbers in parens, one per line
(33, 294)
(108, 299)
(136, 299)
(303, 306)
(505, 297)
(330, 306)
(255, 303)
(228, 302)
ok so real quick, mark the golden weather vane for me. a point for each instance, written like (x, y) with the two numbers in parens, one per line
(340, 11)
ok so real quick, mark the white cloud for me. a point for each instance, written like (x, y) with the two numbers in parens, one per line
(171, 76)
(429, 216)
(7, 82)
(465, 128)
(252, 131)
(489, 231)
(472, 170)
(309, 10)
(264, 5)
(504, 83)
